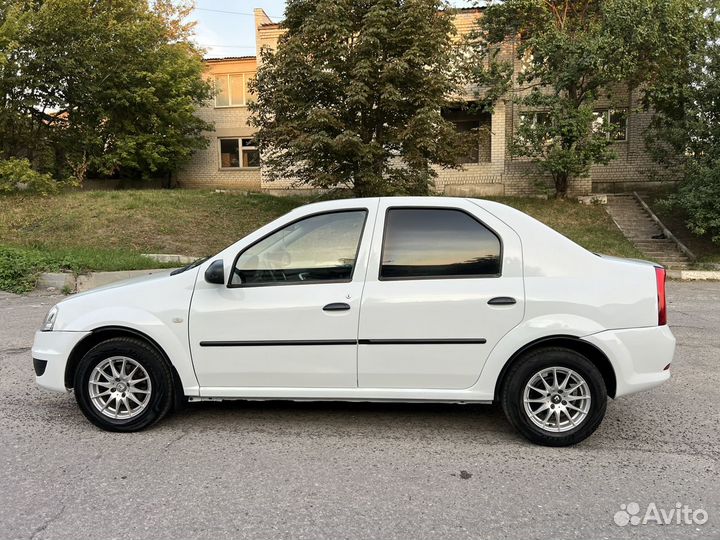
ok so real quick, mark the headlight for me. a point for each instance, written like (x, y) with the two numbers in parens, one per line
(50, 319)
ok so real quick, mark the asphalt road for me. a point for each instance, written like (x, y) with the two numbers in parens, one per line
(329, 470)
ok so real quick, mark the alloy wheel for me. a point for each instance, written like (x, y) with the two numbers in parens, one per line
(557, 399)
(119, 388)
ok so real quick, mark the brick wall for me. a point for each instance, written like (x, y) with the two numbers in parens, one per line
(203, 170)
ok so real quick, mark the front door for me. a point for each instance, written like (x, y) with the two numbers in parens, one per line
(288, 316)
(444, 284)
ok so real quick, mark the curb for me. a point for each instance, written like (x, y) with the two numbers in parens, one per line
(167, 258)
(694, 275)
(66, 283)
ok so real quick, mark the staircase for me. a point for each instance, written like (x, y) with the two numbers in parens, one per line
(647, 236)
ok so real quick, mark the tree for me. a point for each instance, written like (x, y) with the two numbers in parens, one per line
(573, 52)
(685, 133)
(353, 95)
(108, 87)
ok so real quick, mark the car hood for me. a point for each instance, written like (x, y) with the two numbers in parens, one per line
(152, 275)
(157, 297)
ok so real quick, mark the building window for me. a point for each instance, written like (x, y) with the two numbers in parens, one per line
(477, 127)
(611, 122)
(231, 89)
(238, 153)
(536, 119)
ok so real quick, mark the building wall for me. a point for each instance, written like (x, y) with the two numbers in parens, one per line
(503, 175)
(203, 170)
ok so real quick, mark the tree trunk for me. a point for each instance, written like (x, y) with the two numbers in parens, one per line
(562, 181)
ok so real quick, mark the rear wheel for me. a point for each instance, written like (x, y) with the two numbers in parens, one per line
(554, 396)
(123, 384)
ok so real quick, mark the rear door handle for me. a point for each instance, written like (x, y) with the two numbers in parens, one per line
(502, 301)
(337, 306)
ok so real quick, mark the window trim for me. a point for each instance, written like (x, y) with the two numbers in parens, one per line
(227, 77)
(419, 278)
(364, 210)
(606, 117)
(240, 150)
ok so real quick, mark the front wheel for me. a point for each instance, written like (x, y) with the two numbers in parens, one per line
(123, 384)
(554, 396)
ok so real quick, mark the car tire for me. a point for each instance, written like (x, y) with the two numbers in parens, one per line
(123, 384)
(541, 409)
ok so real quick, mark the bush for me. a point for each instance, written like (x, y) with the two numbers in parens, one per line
(699, 196)
(16, 176)
(19, 268)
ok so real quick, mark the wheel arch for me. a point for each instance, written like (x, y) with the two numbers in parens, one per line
(587, 349)
(104, 333)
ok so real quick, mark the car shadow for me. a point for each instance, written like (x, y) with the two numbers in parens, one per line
(365, 419)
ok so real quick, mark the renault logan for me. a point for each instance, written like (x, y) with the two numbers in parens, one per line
(390, 299)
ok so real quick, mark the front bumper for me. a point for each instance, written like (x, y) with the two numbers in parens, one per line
(638, 356)
(54, 348)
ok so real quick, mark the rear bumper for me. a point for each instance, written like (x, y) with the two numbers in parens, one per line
(638, 356)
(53, 349)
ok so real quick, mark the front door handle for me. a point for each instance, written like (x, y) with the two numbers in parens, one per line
(337, 306)
(502, 301)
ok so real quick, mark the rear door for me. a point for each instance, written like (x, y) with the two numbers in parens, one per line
(444, 284)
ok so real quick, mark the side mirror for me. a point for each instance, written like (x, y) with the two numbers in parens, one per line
(215, 273)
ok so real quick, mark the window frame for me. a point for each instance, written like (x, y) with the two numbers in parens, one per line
(606, 113)
(227, 76)
(422, 278)
(364, 210)
(240, 151)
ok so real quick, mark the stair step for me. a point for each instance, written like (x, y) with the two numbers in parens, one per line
(638, 227)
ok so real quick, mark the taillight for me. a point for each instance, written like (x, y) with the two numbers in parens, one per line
(662, 303)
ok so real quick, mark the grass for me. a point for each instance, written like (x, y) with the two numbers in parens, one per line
(108, 230)
(588, 225)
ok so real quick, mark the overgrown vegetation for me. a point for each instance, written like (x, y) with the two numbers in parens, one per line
(108, 230)
(101, 88)
(20, 266)
(16, 176)
(574, 53)
(685, 135)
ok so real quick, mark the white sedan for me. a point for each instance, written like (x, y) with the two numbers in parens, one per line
(428, 299)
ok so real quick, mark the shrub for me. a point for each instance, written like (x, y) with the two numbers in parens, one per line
(699, 196)
(16, 176)
(19, 268)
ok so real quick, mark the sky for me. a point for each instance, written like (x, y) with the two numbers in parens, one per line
(227, 27)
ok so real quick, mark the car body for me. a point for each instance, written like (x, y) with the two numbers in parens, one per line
(379, 299)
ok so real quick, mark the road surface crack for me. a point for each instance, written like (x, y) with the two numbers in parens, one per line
(47, 523)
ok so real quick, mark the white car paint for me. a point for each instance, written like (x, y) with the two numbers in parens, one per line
(561, 290)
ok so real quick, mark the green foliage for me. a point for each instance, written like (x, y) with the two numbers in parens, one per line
(102, 87)
(562, 143)
(19, 269)
(352, 97)
(17, 176)
(685, 135)
(699, 196)
(20, 266)
(575, 52)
